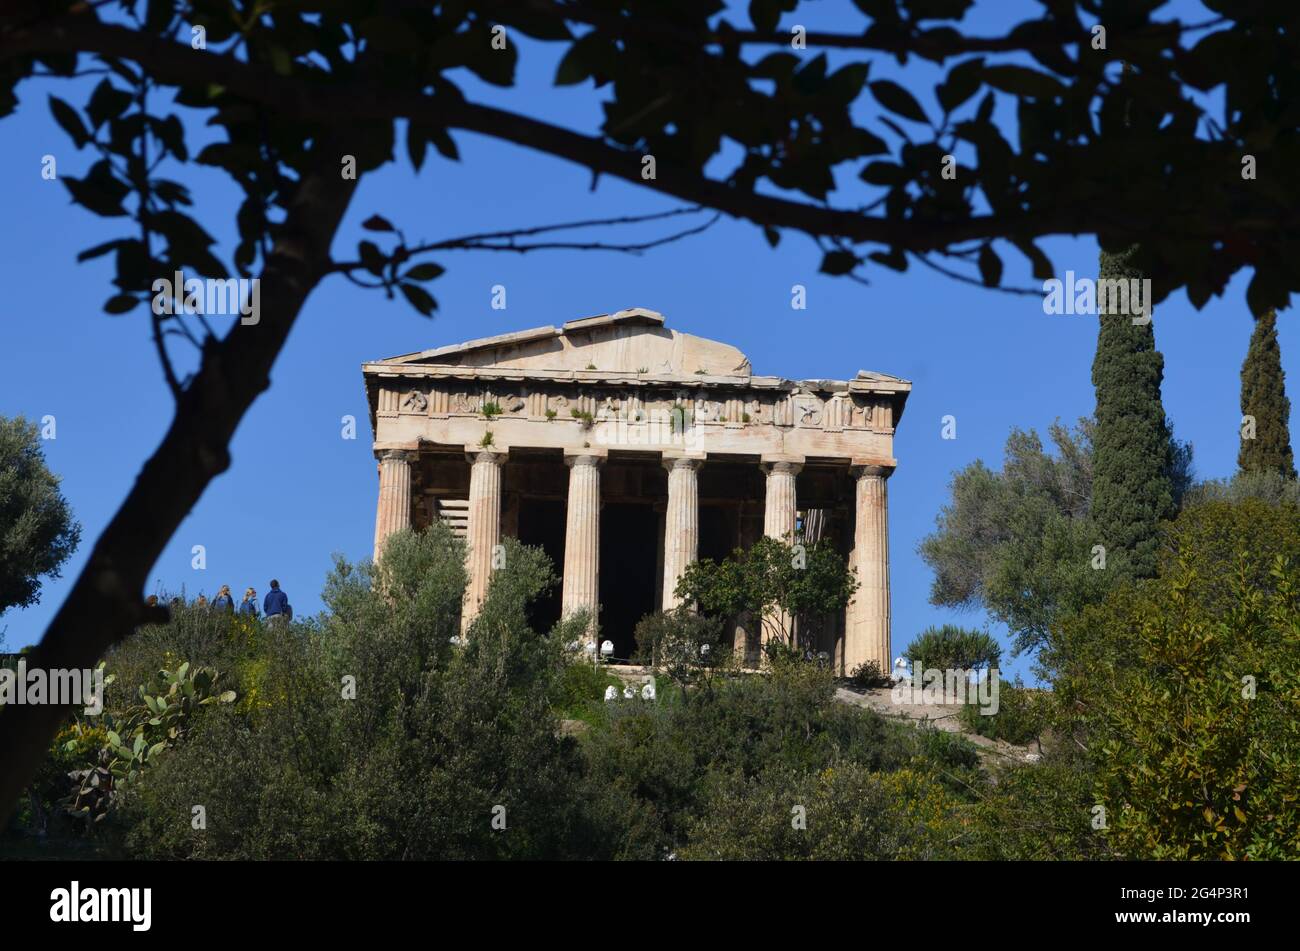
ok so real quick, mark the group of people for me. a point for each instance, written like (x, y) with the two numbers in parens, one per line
(275, 605)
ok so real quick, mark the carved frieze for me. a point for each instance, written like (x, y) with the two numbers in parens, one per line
(463, 403)
(805, 407)
(807, 410)
(415, 402)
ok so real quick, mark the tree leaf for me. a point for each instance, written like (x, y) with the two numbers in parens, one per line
(120, 304)
(417, 143)
(990, 266)
(1043, 269)
(897, 100)
(445, 144)
(764, 14)
(377, 223)
(106, 102)
(1022, 81)
(372, 259)
(99, 250)
(572, 69)
(424, 272)
(963, 82)
(419, 298)
(839, 262)
(70, 121)
(894, 258)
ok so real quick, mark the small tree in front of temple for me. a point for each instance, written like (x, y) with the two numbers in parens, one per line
(684, 645)
(788, 586)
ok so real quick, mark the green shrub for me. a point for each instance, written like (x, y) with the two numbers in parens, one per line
(1020, 719)
(953, 648)
(774, 581)
(658, 766)
(435, 741)
(578, 693)
(841, 813)
(868, 675)
(1038, 812)
(686, 646)
(1185, 691)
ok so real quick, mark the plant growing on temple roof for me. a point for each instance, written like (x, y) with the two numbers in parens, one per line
(491, 409)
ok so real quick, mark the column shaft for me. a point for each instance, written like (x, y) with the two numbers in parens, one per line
(780, 520)
(393, 512)
(780, 512)
(681, 523)
(483, 528)
(581, 590)
(866, 629)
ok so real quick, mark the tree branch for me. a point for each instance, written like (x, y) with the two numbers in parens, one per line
(315, 99)
(508, 240)
(106, 603)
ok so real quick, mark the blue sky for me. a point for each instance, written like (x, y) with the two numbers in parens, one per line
(297, 491)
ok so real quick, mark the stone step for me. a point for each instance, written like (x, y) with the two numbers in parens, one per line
(455, 512)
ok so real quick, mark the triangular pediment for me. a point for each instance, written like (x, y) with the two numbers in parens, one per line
(629, 341)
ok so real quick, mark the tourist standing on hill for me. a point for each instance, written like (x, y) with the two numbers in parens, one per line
(249, 604)
(276, 604)
(223, 601)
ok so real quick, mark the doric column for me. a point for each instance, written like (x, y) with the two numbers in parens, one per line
(780, 519)
(581, 590)
(483, 526)
(393, 513)
(780, 512)
(681, 522)
(866, 628)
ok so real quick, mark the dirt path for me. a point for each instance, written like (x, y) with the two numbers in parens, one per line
(942, 716)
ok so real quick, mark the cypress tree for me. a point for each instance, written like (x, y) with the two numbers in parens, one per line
(1263, 396)
(1133, 446)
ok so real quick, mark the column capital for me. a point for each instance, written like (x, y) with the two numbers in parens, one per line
(681, 460)
(396, 455)
(485, 454)
(790, 464)
(872, 467)
(585, 457)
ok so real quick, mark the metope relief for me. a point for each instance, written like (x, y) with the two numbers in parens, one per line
(807, 410)
(415, 402)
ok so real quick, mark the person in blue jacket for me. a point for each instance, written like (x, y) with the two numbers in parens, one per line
(276, 604)
(223, 601)
(249, 604)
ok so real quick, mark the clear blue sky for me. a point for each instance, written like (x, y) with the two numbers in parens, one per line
(298, 492)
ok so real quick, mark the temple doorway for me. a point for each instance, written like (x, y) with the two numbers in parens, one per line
(628, 558)
(541, 524)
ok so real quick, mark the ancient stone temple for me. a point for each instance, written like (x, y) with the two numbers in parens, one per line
(627, 450)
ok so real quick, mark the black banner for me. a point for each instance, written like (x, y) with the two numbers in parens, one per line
(955, 901)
